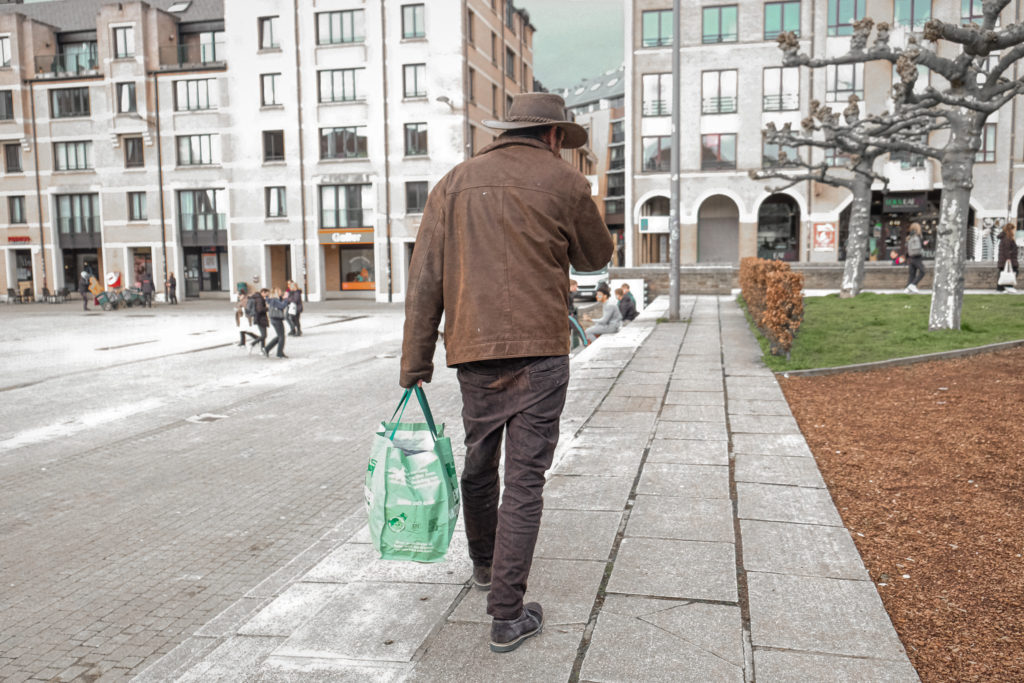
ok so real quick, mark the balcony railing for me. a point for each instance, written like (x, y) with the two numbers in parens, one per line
(192, 55)
(332, 219)
(77, 225)
(657, 108)
(201, 221)
(71, 63)
(719, 105)
(784, 102)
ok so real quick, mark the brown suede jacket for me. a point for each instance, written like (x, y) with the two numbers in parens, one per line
(493, 253)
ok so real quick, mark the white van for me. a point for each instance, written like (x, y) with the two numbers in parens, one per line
(588, 282)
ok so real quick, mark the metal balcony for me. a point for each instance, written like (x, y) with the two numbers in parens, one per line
(193, 55)
(66, 64)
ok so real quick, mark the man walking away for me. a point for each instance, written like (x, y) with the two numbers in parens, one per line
(172, 289)
(493, 252)
(83, 289)
(259, 308)
(146, 282)
(915, 259)
(611, 320)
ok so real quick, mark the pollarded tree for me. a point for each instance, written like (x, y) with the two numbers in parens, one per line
(977, 85)
(851, 137)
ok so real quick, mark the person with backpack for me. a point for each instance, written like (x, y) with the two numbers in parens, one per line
(294, 298)
(278, 307)
(83, 289)
(915, 259)
(259, 315)
(244, 309)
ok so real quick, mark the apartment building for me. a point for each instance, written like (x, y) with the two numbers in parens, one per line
(733, 85)
(598, 104)
(232, 142)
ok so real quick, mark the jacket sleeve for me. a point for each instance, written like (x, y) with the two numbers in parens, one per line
(593, 246)
(424, 298)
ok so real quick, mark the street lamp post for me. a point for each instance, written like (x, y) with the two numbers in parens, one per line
(673, 220)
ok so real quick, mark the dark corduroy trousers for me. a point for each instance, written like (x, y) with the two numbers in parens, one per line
(522, 399)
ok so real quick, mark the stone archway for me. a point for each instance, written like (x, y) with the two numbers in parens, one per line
(718, 230)
(778, 228)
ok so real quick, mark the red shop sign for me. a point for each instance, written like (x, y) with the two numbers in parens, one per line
(19, 239)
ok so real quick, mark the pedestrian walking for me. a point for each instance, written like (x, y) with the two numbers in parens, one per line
(294, 299)
(172, 289)
(915, 259)
(611, 318)
(83, 289)
(498, 235)
(278, 308)
(626, 307)
(146, 285)
(1008, 254)
(244, 311)
(259, 314)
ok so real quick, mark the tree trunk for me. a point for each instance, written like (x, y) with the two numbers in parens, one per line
(951, 234)
(857, 238)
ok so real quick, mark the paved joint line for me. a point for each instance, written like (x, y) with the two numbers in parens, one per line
(588, 632)
(741, 574)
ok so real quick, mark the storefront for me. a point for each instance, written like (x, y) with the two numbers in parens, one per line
(205, 269)
(891, 216)
(77, 260)
(349, 264)
(22, 281)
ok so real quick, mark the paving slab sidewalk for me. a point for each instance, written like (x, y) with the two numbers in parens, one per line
(687, 536)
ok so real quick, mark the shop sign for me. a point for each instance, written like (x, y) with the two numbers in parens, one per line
(905, 203)
(346, 237)
(824, 237)
(210, 263)
(654, 224)
(19, 238)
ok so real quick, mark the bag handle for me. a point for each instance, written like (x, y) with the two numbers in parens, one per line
(424, 406)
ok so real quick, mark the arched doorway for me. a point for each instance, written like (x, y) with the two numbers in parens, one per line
(718, 230)
(778, 229)
(654, 215)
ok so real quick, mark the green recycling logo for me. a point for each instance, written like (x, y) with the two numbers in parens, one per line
(397, 524)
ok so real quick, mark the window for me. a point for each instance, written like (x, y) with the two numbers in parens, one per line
(12, 157)
(415, 196)
(197, 210)
(137, 206)
(510, 63)
(718, 92)
(268, 89)
(657, 28)
(494, 99)
(987, 153)
(124, 42)
(720, 24)
(781, 17)
(781, 88)
(842, 81)
(273, 145)
(275, 202)
(414, 79)
(770, 155)
(72, 156)
(842, 14)
(618, 132)
(6, 105)
(616, 185)
(336, 28)
(912, 13)
(126, 98)
(494, 48)
(908, 160)
(198, 150)
(971, 12)
(510, 16)
(343, 143)
(616, 157)
(657, 153)
(469, 26)
(614, 206)
(834, 157)
(194, 95)
(78, 213)
(471, 85)
(657, 95)
(16, 209)
(342, 85)
(412, 21)
(718, 152)
(210, 44)
(133, 154)
(341, 206)
(5, 50)
(268, 33)
(415, 139)
(68, 102)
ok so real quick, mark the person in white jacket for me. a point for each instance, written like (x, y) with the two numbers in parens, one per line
(611, 321)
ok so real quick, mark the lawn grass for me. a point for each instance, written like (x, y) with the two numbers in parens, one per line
(874, 327)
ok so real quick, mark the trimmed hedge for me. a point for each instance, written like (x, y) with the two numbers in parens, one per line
(775, 299)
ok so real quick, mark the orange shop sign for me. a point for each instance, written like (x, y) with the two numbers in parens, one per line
(824, 237)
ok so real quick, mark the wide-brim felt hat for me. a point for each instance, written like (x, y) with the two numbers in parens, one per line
(541, 109)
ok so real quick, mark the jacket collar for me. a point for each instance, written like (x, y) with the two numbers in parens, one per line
(508, 141)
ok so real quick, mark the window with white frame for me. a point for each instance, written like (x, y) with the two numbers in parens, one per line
(124, 42)
(198, 150)
(657, 95)
(342, 85)
(781, 86)
(72, 156)
(195, 94)
(5, 50)
(336, 28)
(718, 92)
(269, 90)
(126, 98)
(275, 202)
(842, 81)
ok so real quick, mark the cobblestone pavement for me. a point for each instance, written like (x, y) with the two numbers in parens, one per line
(152, 473)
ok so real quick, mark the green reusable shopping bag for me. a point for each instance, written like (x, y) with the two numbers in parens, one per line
(412, 491)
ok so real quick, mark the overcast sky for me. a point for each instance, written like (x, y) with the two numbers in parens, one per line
(575, 39)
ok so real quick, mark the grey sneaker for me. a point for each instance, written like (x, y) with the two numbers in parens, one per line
(508, 634)
(482, 577)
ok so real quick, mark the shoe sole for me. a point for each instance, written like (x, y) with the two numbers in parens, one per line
(508, 647)
(482, 586)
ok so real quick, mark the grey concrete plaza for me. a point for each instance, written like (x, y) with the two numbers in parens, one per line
(176, 508)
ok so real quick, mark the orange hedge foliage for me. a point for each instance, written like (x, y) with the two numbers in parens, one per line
(775, 299)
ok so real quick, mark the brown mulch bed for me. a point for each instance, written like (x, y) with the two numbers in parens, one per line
(924, 463)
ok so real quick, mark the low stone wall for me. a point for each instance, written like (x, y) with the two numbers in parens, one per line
(721, 279)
